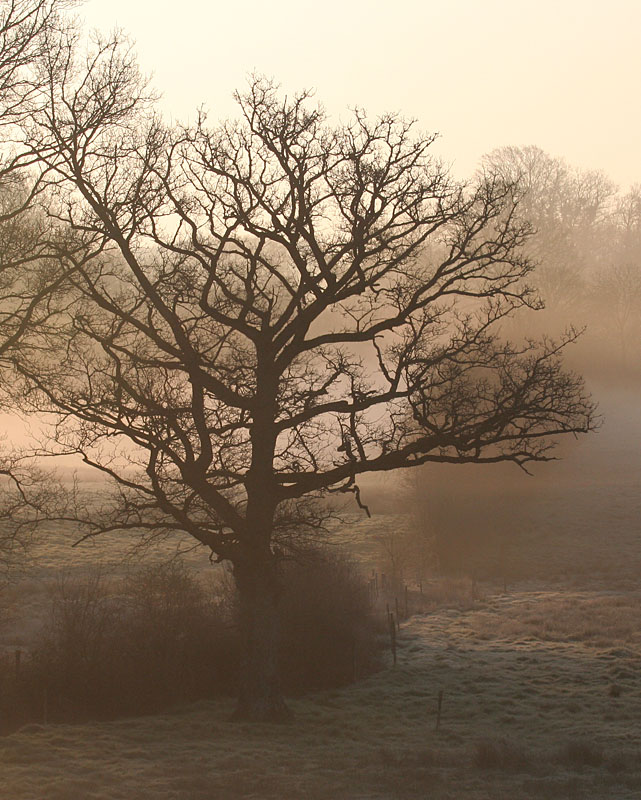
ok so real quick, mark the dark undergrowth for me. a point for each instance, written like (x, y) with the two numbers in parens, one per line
(162, 638)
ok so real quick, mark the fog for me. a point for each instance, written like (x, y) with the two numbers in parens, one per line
(248, 598)
(481, 520)
(561, 76)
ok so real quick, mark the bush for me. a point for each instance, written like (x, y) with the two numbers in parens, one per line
(77, 657)
(159, 638)
(500, 755)
(329, 633)
(185, 632)
(129, 648)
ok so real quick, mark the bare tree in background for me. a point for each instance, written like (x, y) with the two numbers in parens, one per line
(615, 293)
(29, 263)
(31, 272)
(569, 210)
(258, 320)
(588, 253)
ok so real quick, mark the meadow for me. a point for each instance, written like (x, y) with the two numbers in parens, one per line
(539, 669)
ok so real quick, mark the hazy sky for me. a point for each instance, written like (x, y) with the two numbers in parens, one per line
(564, 75)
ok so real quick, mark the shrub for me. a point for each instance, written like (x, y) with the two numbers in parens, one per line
(75, 659)
(159, 638)
(581, 754)
(183, 631)
(329, 633)
(500, 755)
(129, 648)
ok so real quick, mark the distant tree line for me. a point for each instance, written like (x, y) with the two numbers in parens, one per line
(586, 246)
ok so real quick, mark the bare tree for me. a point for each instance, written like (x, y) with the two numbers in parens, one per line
(569, 210)
(29, 265)
(31, 279)
(260, 319)
(615, 296)
(615, 291)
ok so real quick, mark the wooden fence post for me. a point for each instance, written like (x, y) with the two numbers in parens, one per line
(354, 666)
(392, 634)
(438, 709)
(45, 705)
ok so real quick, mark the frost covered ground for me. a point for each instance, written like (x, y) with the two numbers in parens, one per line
(541, 684)
(542, 698)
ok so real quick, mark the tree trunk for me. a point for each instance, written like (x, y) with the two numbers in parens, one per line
(260, 695)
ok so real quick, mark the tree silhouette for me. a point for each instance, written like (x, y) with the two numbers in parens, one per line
(266, 310)
(31, 276)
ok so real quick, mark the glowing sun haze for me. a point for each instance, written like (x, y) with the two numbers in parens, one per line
(563, 75)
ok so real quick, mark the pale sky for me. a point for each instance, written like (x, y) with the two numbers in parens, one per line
(563, 75)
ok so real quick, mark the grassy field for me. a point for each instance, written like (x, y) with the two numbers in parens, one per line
(541, 683)
(528, 711)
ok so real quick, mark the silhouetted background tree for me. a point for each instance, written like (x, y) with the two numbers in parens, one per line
(587, 250)
(265, 310)
(31, 272)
